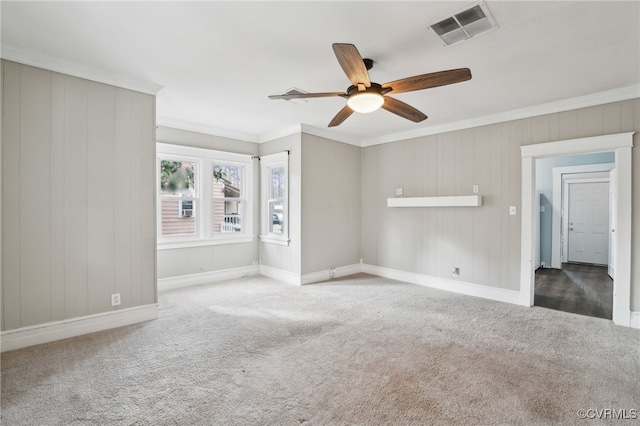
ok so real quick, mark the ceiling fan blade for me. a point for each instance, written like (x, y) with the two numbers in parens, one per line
(427, 81)
(403, 110)
(342, 115)
(352, 63)
(307, 95)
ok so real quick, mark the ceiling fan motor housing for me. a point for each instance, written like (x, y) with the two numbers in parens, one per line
(375, 88)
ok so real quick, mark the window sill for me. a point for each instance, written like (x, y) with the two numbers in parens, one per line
(274, 240)
(204, 242)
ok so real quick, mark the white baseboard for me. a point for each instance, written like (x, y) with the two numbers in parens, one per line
(635, 319)
(58, 330)
(206, 277)
(326, 275)
(476, 290)
(279, 274)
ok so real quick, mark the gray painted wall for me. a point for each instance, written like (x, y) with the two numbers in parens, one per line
(194, 260)
(484, 242)
(287, 258)
(330, 204)
(78, 197)
(544, 187)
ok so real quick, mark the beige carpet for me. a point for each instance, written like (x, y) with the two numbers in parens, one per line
(356, 351)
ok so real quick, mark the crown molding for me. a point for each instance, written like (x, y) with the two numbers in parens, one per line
(51, 63)
(282, 133)
(328, 134)
(601, 98)
(205, 129)
(310, 130)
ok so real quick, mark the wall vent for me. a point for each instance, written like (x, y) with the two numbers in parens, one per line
(295, 91)
(465, 24)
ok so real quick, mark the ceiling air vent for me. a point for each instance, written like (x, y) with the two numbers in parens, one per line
(294, 91)
(465, 24)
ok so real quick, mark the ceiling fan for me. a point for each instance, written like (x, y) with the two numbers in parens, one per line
(365, 96)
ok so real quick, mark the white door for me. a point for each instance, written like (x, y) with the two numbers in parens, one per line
(612, 225)
(589, 222)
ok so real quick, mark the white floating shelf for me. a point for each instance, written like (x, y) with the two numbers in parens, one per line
(449, 201)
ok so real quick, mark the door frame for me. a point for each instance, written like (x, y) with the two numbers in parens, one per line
(565, 210)
(621, 144)
(556, 222)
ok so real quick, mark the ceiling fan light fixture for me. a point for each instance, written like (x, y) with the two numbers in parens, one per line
(365, 102)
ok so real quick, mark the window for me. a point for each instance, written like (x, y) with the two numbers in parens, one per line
(205, 197)
(227, 198)
(275, 198)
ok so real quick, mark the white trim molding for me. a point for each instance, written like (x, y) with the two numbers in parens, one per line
(621, 144)
(190, 126)
(51, 63)
(635, 319)
(454, 286)
(280, 274)
(600, 98)
(557, 176)
(171, 283)
(43, 333)
(329, 274)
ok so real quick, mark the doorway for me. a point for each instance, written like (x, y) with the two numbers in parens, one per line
(574, 190)
(621, 145)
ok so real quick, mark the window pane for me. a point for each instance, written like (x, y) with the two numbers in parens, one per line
(177, 178)
(227, 181)
(277, 182)
(227, 216)
(276, 216)
(178, 217)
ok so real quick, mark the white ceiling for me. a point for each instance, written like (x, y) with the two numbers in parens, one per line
(218, 61)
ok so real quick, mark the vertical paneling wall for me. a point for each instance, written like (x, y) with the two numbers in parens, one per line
(432, 241)
(484, 242)
(330, 204)
(78, 197)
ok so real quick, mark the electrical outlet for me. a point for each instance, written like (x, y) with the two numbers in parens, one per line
(475, 189)
(332, 272)
(115, 299)
(398, 191)
(456, 272)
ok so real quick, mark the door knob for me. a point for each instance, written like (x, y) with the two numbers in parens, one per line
(570, 229)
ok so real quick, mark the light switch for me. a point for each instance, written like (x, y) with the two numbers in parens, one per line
(512, 210)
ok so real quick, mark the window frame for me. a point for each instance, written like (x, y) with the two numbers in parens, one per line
(205, 160)
(267, 163)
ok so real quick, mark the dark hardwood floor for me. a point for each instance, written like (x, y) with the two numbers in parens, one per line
(577, 288)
